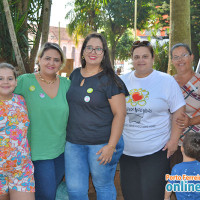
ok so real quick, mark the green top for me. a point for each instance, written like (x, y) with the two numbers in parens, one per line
(48, 117)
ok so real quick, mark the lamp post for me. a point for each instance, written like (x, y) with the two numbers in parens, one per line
(135, 24)
(59, 33)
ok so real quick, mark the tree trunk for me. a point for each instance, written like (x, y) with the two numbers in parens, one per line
(46, 20)
(195, 51)
(35, 48)
(179, 26)
(43, 29)
(13, 38)
(22, 8)
(112, 58)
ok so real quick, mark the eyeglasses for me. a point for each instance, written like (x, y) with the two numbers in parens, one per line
(142, 43)
(98, 50)
(176, 58)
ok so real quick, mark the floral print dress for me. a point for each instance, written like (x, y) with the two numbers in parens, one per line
(16, 168)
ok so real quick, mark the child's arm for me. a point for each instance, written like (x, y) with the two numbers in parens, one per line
(167, 194)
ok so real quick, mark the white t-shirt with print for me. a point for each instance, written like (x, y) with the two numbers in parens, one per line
(152, 99)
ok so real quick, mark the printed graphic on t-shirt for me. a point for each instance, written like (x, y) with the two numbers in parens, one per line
(137, 99)
(134, 117)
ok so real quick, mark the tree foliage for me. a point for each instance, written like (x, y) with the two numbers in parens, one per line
(13, 36)
(111, 19)
(154, 23)
(156, 14)
(161, 57)
(195, 29)
(158, 18)
(124, 45)
(27, 16)
(117, 18)
(160, 2)
(85, 17)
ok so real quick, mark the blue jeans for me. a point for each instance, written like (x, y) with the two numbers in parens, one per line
(80, 160)
(48, 174)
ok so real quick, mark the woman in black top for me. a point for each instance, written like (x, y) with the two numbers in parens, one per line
(97, 111)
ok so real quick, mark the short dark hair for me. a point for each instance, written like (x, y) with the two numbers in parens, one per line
(180, 45)
(145, 43)
(8, 66)
(191, 145)
(105, 63)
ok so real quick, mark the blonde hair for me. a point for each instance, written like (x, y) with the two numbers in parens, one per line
(47, 46)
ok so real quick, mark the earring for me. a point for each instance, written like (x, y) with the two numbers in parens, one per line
(83, 57)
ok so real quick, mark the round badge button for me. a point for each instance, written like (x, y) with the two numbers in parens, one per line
(89, 90)
(42, 95)
(32, 88)
(86, 98)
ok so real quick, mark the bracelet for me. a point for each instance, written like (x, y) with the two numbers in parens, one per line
(114, 149)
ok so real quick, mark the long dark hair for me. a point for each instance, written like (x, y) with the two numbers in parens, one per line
(105, 63)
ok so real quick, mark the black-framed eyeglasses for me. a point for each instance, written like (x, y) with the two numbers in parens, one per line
(141, 43)
(98, 50)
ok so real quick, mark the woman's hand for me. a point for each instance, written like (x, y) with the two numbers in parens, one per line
(183, 121)
(119, 114)
(176, 131)
(171, 147)
(105, 153)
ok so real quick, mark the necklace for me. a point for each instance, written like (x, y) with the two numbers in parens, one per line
(48, 82)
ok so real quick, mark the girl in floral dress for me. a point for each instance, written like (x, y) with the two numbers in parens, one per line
(16, 168)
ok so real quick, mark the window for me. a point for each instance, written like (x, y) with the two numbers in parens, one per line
(73, 53)
(65, 50)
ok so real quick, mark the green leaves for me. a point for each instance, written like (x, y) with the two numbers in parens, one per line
(161, 50)
(113, 17)
(123, 49)
(26, 17)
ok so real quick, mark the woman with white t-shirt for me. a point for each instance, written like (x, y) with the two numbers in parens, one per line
(150, 131)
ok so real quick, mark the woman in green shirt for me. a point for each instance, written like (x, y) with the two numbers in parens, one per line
(45, 96)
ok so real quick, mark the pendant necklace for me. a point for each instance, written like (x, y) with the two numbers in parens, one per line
(48, 82)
